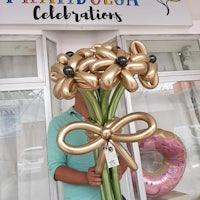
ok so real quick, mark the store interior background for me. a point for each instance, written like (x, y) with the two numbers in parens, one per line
(71, 38)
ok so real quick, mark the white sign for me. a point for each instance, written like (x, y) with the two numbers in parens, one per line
(95, 12)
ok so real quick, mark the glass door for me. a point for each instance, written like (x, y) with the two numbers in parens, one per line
(175, 104)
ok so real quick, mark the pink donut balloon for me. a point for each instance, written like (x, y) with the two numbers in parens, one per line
(164, 179)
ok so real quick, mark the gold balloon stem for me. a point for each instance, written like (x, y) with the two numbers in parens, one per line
(101, 162)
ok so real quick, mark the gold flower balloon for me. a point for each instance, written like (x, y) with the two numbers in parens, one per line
(71, 72)
(115, 65)
(110, 132)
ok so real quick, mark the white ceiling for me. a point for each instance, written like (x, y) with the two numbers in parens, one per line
(194, 6)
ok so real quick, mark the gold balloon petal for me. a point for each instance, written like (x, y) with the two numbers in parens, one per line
(155, 81)
(55, 76)
(128, 80)
(57, 88)
(136, 47)
(98, 45)
(74, 60)
(101, 64)
(110, 78)
(140, 57)
(85, 64)
(137, 68)
(57, 72)
(150, 84)
(105, 53)
(86, 80)
(98, 73)
(85, 52)
(69, 88)
(108, 45)
(121, 52)
(62, 58)
(57, 67)
(152, 70)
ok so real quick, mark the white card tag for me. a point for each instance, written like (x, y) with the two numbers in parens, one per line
(111, 155)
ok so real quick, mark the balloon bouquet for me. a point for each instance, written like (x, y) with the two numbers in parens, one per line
(102, 73)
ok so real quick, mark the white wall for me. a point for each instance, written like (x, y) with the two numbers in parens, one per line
(72, 40)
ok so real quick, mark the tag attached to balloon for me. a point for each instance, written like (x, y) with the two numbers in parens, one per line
(111, 155)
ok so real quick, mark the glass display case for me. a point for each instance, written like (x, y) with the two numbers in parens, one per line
(175, 104)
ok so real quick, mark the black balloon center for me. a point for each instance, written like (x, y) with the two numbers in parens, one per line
(152, 58)
(70, 53)
(68, 71)
(122, 61)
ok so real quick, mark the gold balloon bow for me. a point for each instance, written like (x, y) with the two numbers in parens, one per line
(101, 135)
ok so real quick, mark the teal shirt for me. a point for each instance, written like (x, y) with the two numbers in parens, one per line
(57, 157)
